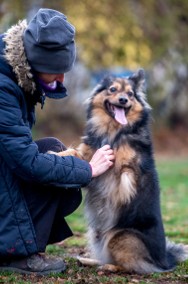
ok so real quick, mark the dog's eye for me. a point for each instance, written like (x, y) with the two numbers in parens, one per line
(113, 89)
(130, 94)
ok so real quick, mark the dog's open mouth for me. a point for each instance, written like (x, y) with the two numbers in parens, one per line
(117, 112)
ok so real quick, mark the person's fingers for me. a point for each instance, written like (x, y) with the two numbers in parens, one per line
(108, 152)
(101, 153)
(105, 147)
(110, 157)
(102, 160)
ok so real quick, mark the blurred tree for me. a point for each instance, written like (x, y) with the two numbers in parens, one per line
(123, 32)
(128, 32)
(107, 33)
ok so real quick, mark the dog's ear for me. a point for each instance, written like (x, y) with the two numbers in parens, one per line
(104, 84)
(138, 80)
(139, 85)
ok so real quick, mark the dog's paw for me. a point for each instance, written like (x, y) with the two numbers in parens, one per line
(52, 152)
(110, 268)
(68, 152)
(87, 261)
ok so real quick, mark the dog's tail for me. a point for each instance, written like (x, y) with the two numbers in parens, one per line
(176, 252)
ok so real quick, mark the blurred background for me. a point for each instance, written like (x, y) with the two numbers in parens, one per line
(118, 37)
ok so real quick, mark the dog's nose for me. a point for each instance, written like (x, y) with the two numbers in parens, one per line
(123, 100)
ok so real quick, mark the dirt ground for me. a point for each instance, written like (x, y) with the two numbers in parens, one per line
(171, 143)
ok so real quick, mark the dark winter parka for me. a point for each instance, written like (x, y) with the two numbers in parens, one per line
(19, 156)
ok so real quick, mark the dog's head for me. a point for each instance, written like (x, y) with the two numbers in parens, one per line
(121, 99)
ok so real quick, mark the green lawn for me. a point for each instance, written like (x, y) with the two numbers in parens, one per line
(173, 176)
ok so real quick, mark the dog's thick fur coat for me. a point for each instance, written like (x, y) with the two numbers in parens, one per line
(123, 204)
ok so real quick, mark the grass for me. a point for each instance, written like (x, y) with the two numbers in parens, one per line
(174, 198)
(173, 175)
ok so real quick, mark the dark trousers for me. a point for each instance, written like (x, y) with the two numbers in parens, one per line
(48, 206)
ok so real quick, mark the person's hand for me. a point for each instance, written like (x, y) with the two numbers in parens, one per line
(102, 160)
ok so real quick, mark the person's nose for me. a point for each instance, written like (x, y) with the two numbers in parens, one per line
(60, 78)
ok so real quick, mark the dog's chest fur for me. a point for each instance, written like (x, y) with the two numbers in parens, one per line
(108, 192)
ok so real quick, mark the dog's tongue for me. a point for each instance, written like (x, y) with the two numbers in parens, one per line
(120, 115)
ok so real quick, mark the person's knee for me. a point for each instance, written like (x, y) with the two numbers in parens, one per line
(50, 144)
(56, 145)
(71, 201)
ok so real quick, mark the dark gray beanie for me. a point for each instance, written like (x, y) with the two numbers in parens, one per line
(49, 42)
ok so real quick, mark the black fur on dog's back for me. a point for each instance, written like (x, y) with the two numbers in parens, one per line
(135, 215)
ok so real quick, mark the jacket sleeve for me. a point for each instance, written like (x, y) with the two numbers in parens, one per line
(21, 153)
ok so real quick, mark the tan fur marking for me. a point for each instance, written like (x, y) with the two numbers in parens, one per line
(135, 112)
(127, 250)
(124, 156)
(101, 119)
(128, 88)
(120, 183)
(117, 85)
(85, 151)
(122, 85)
(98, 100)
(111, 268)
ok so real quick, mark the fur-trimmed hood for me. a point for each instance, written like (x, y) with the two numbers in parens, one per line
(16, 57)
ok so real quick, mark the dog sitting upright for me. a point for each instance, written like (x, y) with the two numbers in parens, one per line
(123, 204)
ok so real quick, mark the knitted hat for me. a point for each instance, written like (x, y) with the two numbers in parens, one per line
(49, 42)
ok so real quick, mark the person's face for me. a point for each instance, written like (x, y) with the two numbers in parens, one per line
(49, 78)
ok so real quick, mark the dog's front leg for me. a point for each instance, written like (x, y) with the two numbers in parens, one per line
(68, 152)
(83, 151)
(88, 261)
(94, 262)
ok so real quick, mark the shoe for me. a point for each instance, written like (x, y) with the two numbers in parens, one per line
(38, 264)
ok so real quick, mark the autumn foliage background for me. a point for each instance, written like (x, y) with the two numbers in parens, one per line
(119, 37)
